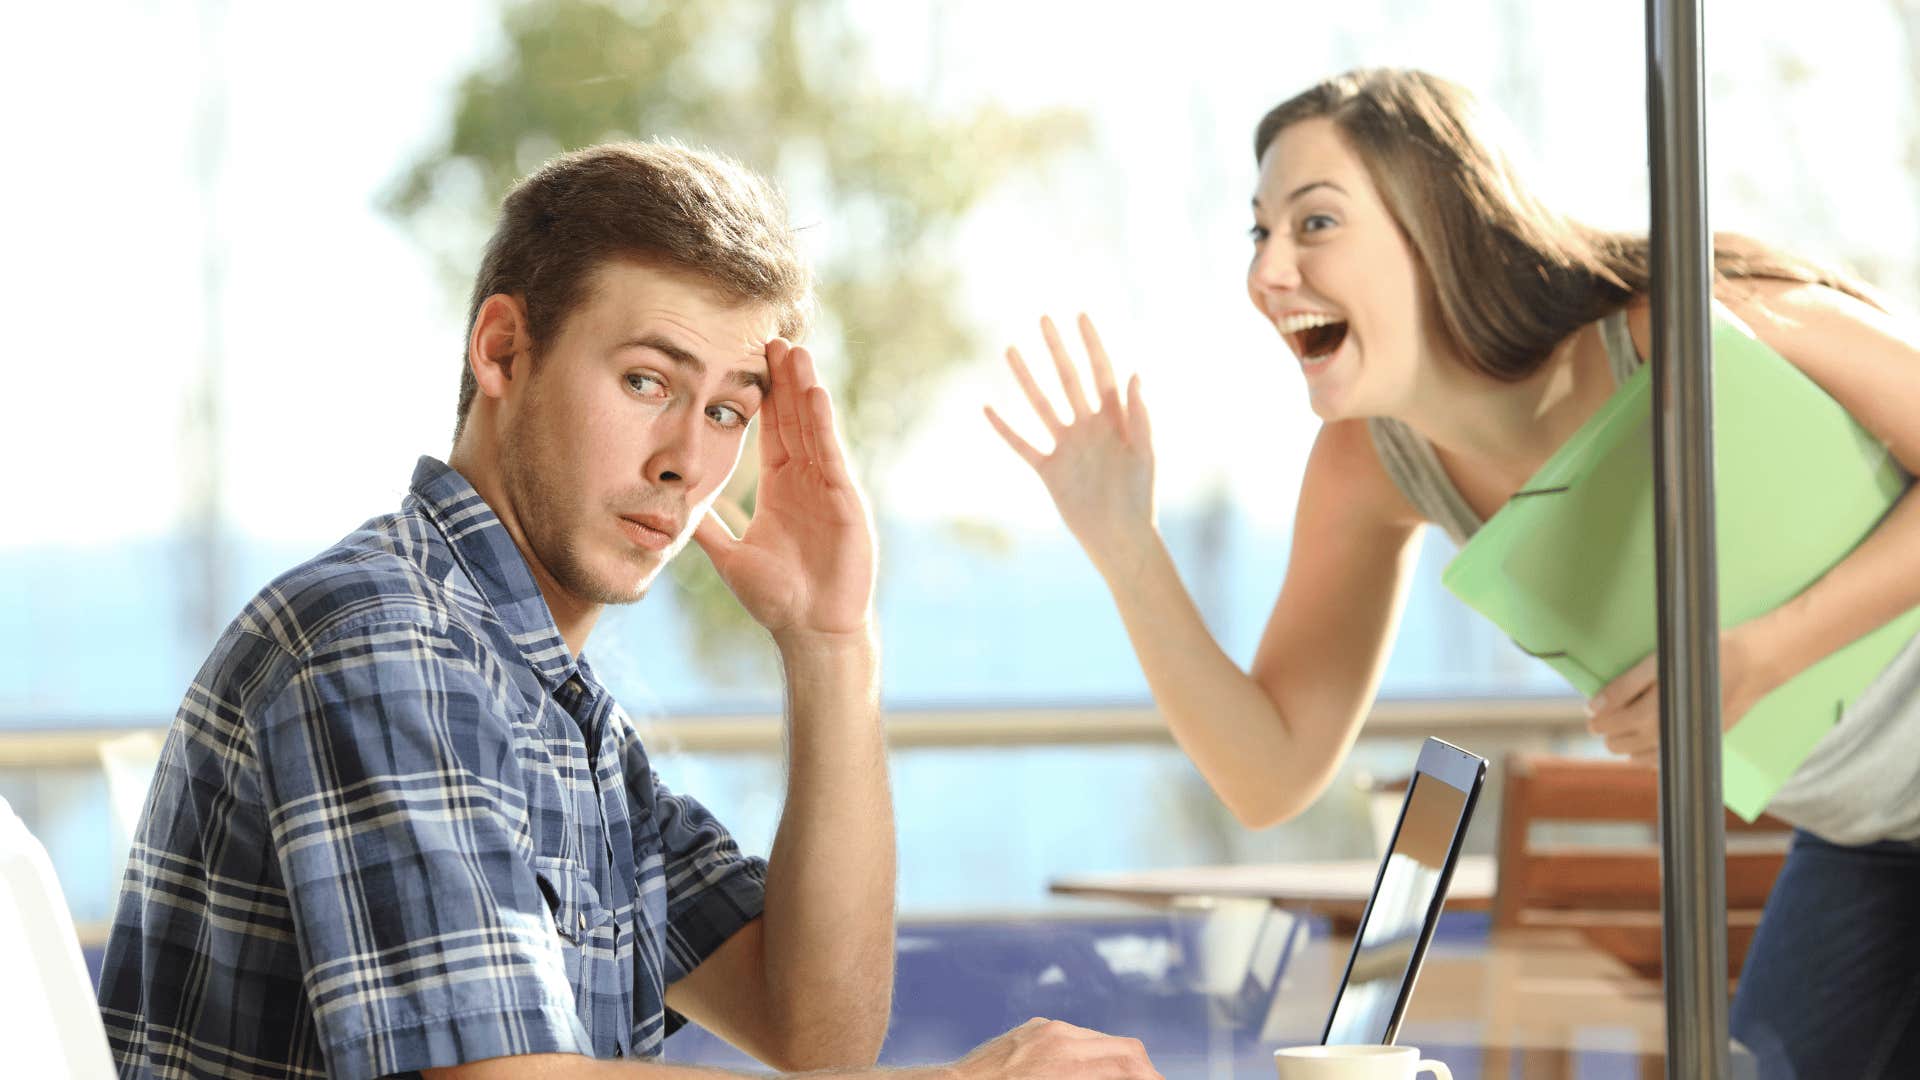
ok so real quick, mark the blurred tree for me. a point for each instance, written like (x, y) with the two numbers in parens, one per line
(784, 86)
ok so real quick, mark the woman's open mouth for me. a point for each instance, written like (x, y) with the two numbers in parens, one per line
(1312, 336)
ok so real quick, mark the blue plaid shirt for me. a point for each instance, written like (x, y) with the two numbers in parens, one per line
(396, 825)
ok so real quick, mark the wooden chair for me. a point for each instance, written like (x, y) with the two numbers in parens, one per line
(1611, 893)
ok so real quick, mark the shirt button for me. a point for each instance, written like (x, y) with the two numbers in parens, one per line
(583, 922)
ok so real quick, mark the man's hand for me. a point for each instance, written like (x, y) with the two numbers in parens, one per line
(1036, 1050)
(804, 566)
(1054, 1050)
(1626, 711)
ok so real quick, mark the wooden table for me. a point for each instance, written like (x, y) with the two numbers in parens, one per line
(1338, 889)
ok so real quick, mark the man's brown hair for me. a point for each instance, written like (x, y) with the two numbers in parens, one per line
(688, 210)
(1512, 276)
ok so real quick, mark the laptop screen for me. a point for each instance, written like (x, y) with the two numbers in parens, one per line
(1396, 920)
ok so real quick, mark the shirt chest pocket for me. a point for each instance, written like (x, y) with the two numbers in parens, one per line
(581, 922)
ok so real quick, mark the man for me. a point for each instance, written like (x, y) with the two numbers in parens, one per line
(399, 827)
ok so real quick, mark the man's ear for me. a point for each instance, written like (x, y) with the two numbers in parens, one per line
(500, 347)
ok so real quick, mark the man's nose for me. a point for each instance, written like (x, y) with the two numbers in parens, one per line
(675, 458)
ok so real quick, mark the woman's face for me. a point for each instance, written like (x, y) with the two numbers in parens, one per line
(1335, 275)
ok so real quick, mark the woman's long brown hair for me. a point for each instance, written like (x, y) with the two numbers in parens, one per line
(1512, 277)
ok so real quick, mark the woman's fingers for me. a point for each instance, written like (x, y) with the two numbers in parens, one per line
(1103, 384)
(1634, 743)
(1020, 446)
(1627, 686)
(1069, 378)
(1038, 400)
(1139, 428)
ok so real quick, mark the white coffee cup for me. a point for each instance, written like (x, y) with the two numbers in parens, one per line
(1354, 1063)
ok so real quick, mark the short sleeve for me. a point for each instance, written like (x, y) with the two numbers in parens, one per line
(395, 812)
(712, 889)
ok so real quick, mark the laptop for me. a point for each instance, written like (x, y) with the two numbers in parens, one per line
(1407, 896)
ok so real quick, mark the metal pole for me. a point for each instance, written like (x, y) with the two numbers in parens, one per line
(1692, 828)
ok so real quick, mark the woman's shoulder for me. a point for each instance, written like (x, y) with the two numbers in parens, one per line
(1780, 313)
(1346, 457)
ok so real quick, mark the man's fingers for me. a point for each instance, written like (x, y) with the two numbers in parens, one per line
(786, 397)
(713, 537)
(1035, 398)
(732, 515)
(1020, 446)
(805, 381)
(826, 441)
(773, 441)
(1103, 384)
(1062, 363)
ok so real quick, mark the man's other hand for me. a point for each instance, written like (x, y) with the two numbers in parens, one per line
(1054, 1050)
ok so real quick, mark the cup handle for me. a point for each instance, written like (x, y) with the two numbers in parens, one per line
(1437, 1068)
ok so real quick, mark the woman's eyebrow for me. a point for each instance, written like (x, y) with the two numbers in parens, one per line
(1303, 189)
(1310, 185)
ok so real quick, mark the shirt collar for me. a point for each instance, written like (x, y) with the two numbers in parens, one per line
(487, 552)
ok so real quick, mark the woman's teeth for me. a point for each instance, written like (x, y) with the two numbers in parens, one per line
(1304, 320)
(1313, 336)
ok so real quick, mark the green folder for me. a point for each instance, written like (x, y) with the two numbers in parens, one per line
(1566, 568)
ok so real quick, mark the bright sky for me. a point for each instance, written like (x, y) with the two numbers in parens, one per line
(338, 346)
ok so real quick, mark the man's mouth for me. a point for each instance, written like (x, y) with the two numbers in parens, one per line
(1312, 335)
(653, 531)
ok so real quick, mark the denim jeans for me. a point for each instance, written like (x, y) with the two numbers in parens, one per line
(1831, 987)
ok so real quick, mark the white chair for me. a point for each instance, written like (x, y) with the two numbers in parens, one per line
(49, 1023)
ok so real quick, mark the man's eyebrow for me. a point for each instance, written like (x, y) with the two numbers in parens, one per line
(682, 358)
(1303, 189)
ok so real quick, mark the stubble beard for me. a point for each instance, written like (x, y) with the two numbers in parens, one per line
(528, 464)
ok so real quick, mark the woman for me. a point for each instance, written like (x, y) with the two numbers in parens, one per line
(1453, 332)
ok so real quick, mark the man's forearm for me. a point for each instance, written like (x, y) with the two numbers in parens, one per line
(830, 881)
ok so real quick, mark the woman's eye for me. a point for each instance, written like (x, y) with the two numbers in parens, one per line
(1258, 233)
(646, 384)
(727, 416)
(1316, 222)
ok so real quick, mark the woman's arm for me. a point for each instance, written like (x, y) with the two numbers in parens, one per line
(1268, 743)
(1869, 362)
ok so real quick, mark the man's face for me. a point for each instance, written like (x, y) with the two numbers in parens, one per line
(631, 422)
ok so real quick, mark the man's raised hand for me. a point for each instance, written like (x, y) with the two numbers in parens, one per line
(804, 566)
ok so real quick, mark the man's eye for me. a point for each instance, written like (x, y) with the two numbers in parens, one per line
(646, 384)
(727, 416)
